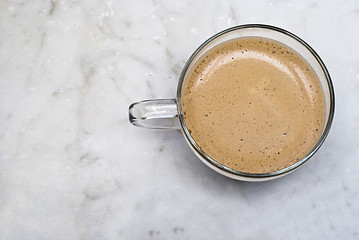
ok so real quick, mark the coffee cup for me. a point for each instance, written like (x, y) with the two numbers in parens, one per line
(254, 103)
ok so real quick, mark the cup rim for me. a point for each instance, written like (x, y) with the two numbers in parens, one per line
(229, 171)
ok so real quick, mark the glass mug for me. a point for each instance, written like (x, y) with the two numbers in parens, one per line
(167, 113)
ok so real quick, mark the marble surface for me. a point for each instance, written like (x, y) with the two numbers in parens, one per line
(72, 166)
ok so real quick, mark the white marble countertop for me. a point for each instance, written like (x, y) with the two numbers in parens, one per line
(73, 167)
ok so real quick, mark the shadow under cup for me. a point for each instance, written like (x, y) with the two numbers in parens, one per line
(172, 108)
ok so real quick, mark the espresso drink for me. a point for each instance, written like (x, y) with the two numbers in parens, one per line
(253, 105)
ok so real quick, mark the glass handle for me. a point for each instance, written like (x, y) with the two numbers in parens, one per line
(158, 113)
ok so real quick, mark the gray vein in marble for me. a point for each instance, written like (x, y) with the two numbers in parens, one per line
(53, 7)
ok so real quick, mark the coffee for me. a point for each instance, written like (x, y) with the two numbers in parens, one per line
(253, 105)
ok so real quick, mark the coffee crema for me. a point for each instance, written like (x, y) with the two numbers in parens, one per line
(254, 105)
